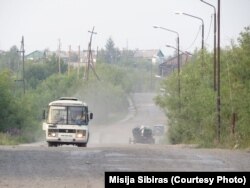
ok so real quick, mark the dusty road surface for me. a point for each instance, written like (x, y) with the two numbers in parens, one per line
(37, 166)
(142, 111)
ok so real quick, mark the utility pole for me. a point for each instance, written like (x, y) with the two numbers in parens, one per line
(179, 82)
(215, 75)
(178, 61)
(215, 64)
(85, 64)
(90, 57)
(202, 34)
(59, 54)
(69, 59)
(22, 51)
(79, 61)
(218, 78)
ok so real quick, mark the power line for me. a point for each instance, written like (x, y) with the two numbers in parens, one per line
(194, 39)
(209, 28)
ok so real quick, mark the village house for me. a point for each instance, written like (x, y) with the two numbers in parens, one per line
(171, 64)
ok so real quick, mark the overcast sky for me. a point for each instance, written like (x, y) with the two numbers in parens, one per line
(129, 23)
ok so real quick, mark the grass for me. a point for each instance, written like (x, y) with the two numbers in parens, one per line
(6, 139)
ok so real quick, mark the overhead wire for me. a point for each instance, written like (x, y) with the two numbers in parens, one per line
(209, 30)
(194, 39)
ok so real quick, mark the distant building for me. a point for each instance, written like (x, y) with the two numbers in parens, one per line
(154, 56)
(171, 64)
(71, 57)
(36, 55)
(75, 60)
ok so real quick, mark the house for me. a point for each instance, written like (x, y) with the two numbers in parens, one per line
(154, 56)
(171, 64)
(36, 55)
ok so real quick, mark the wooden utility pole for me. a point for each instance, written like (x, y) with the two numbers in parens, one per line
(22, 51)
(85, 64)
(215, 64)
(79, 61)
(59, 56)
(90, 57)
(69, 59)
(218, 78)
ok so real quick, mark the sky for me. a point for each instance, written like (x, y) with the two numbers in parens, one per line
(128, 22)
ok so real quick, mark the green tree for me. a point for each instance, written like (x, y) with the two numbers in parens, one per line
(237, 98)
(35, 73)
(11, 60)
(112, 53)
(195, 122)
(6, 100)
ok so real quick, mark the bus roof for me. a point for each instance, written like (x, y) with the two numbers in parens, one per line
(67, 101)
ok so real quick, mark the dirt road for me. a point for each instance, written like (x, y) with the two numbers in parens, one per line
(142, 111)
(37, 166)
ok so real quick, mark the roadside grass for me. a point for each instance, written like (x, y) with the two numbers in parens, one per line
(25, 137)
(6, 139)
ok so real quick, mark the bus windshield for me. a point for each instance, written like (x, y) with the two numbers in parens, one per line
(72, 115)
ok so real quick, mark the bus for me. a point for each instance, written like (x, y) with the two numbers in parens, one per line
(66, 122)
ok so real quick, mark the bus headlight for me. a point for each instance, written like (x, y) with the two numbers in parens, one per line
(52, 133)
(80, 133)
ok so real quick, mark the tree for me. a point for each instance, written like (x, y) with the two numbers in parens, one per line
(112, 53)
(244, 39)
(196, 121)
(11, 59)
(5, 98)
